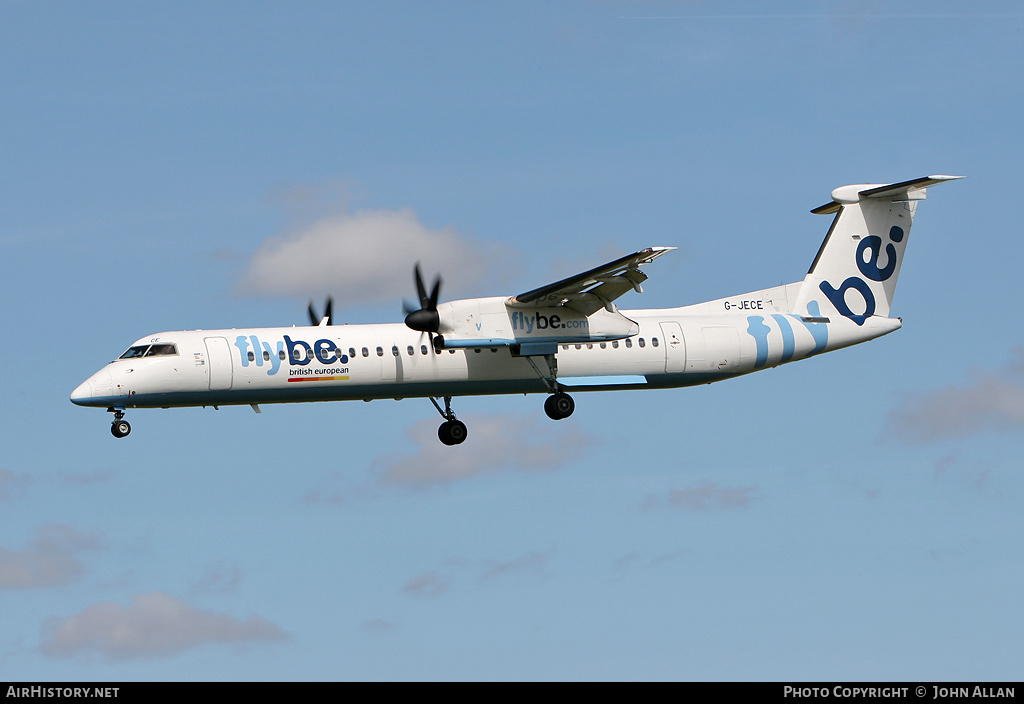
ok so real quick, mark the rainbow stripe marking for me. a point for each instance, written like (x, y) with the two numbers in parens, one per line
(318, 378)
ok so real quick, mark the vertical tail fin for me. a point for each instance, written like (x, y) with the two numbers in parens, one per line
(855, 272)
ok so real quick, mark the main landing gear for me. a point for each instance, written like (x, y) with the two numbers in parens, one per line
(559, 405)
(452, 431)
(120, 427)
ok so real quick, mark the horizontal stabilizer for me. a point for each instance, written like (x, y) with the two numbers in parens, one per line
(905, 190)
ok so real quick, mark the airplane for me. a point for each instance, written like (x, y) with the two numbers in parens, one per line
(562, 337)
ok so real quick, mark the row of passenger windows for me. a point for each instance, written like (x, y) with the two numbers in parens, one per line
(615, 344)
(300, 353)
(411, 350)
(168, 349)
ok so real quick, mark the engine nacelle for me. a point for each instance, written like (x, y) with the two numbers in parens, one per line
(491, 321)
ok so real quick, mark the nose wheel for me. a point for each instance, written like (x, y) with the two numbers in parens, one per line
(120, 427)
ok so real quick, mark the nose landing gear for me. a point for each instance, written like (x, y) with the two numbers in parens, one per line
(120, 427)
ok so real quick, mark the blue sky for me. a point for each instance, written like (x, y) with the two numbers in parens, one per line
(165, 166)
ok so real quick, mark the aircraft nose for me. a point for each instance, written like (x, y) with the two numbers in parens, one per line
(82, 393)
(94, 390)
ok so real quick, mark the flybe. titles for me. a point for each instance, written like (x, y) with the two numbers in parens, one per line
(539, 321)
(260, 353)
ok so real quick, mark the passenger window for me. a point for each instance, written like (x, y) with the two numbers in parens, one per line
(266, 356)
(629, 342)
(380, 351)
(366, 352)
(411, 351)
(604, 345)
(579, 347)
(251, 356)
(641, 342)
(281, 355)
(423, 349)
(615, 344)
(654, 342)
(394, 350)
(352, 352)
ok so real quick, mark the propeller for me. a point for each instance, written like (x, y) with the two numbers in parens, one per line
(314, 319)
(425, 319)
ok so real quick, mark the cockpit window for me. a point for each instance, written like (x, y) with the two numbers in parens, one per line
(134, 352)
(163, 349)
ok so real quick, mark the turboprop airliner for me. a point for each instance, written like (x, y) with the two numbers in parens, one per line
(568, 336)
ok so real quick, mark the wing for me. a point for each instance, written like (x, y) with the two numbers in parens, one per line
(595, 288)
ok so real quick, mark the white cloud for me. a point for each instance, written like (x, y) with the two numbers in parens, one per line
(367, 257)
(531, 563)
(991, 401)
(494, 444)
(48, 560)
(634, 561)
(154, 625)
(426, 584)
(220, 578)
(706, 496)
(9, 480)
(434, 583)
(98, 476)
(378, 626)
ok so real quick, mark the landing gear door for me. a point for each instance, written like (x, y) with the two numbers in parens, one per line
(675, 349)
(218, 352)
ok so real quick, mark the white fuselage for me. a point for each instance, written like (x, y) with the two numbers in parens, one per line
(674, 347)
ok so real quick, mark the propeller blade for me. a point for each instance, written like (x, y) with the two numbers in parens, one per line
(420, 288)
(315, 319)
(435, 293)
